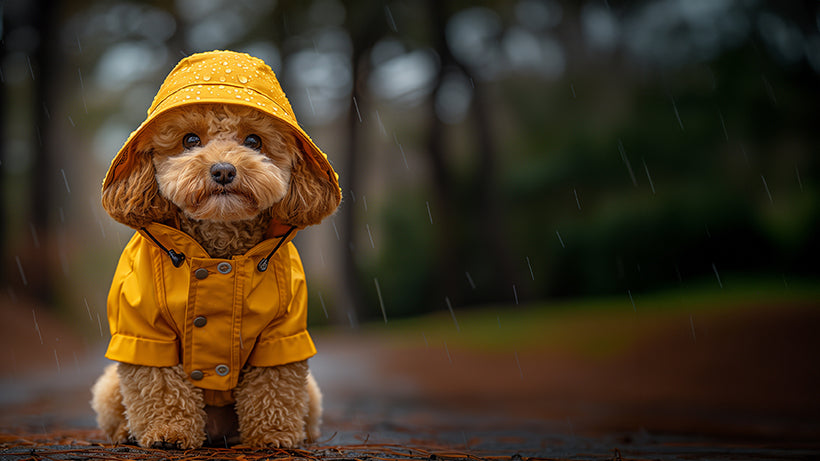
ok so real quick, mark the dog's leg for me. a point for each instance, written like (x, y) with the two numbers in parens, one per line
(163, 408)
(106, 400)
(313, 420)
(272, 404)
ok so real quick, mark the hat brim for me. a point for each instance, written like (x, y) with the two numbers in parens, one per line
(123, 162)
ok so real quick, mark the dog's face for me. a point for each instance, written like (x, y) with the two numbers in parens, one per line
(222, 164)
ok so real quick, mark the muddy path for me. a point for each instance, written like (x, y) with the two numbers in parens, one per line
(734, 384)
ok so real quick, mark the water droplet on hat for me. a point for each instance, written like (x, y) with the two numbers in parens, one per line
(227, 71)
(243, 79)
(206, 78)
(221, 79)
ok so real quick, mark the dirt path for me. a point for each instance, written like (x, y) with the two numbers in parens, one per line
(740, 384)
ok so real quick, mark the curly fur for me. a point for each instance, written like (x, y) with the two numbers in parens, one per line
(222, 240)
(107, 403)
(159, 406)
(135, 200)
(311, 196)
(162, 407)
(313, 421)
(277, 418)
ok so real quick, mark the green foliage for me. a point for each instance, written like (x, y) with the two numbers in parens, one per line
(404, 268)
(634, 184)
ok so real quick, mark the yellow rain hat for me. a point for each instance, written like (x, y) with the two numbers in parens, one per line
(224, 77)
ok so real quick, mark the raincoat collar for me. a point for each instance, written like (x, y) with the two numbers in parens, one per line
(173, 241)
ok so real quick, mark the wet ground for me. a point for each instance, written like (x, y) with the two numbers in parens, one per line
(737, 383)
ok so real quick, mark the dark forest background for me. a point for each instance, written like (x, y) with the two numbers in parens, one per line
(489, 152)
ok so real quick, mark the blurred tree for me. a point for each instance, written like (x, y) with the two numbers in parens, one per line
(449, 241)
(487, 220)
(36, 25)
(4, 217)
(365, 28)
(46, 69)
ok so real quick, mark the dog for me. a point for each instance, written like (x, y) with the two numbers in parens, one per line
(207, 308)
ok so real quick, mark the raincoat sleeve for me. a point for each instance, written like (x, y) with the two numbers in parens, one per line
(140, 332)
(286, 339)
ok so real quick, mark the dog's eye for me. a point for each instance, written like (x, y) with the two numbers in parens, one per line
(253, 141)
(191, 140)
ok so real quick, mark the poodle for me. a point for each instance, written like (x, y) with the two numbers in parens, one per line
(208, 305)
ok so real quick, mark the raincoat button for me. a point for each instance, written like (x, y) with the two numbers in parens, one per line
(201, 273)
(196, 375)
(222, 370)
(224, 268)
(200, 321)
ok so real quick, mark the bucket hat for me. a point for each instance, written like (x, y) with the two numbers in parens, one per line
(223, 77)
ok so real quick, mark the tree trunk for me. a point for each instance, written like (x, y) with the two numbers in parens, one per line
(444, 202)
(488, 225)
(353, 299)
(44, 176)
(4, 218)
(363, 35)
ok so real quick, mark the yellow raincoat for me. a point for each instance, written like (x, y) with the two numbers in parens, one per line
(212, 315)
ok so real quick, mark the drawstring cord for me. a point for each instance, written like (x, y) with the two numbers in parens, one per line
(176, 258)
(263, 264)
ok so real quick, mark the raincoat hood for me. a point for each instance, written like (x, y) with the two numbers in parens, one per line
(222, 77)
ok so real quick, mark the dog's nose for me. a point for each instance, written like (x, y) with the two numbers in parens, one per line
(223, 173)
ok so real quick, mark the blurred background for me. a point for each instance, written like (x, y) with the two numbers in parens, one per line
(506, 151)
(495, 153)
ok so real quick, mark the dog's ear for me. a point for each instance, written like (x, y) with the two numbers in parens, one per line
(311, 197)
(134, 200)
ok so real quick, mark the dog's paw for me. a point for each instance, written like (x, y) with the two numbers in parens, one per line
(121, 436)
(163, 445)
(274, 439)
(313, 433)
(170, 437)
